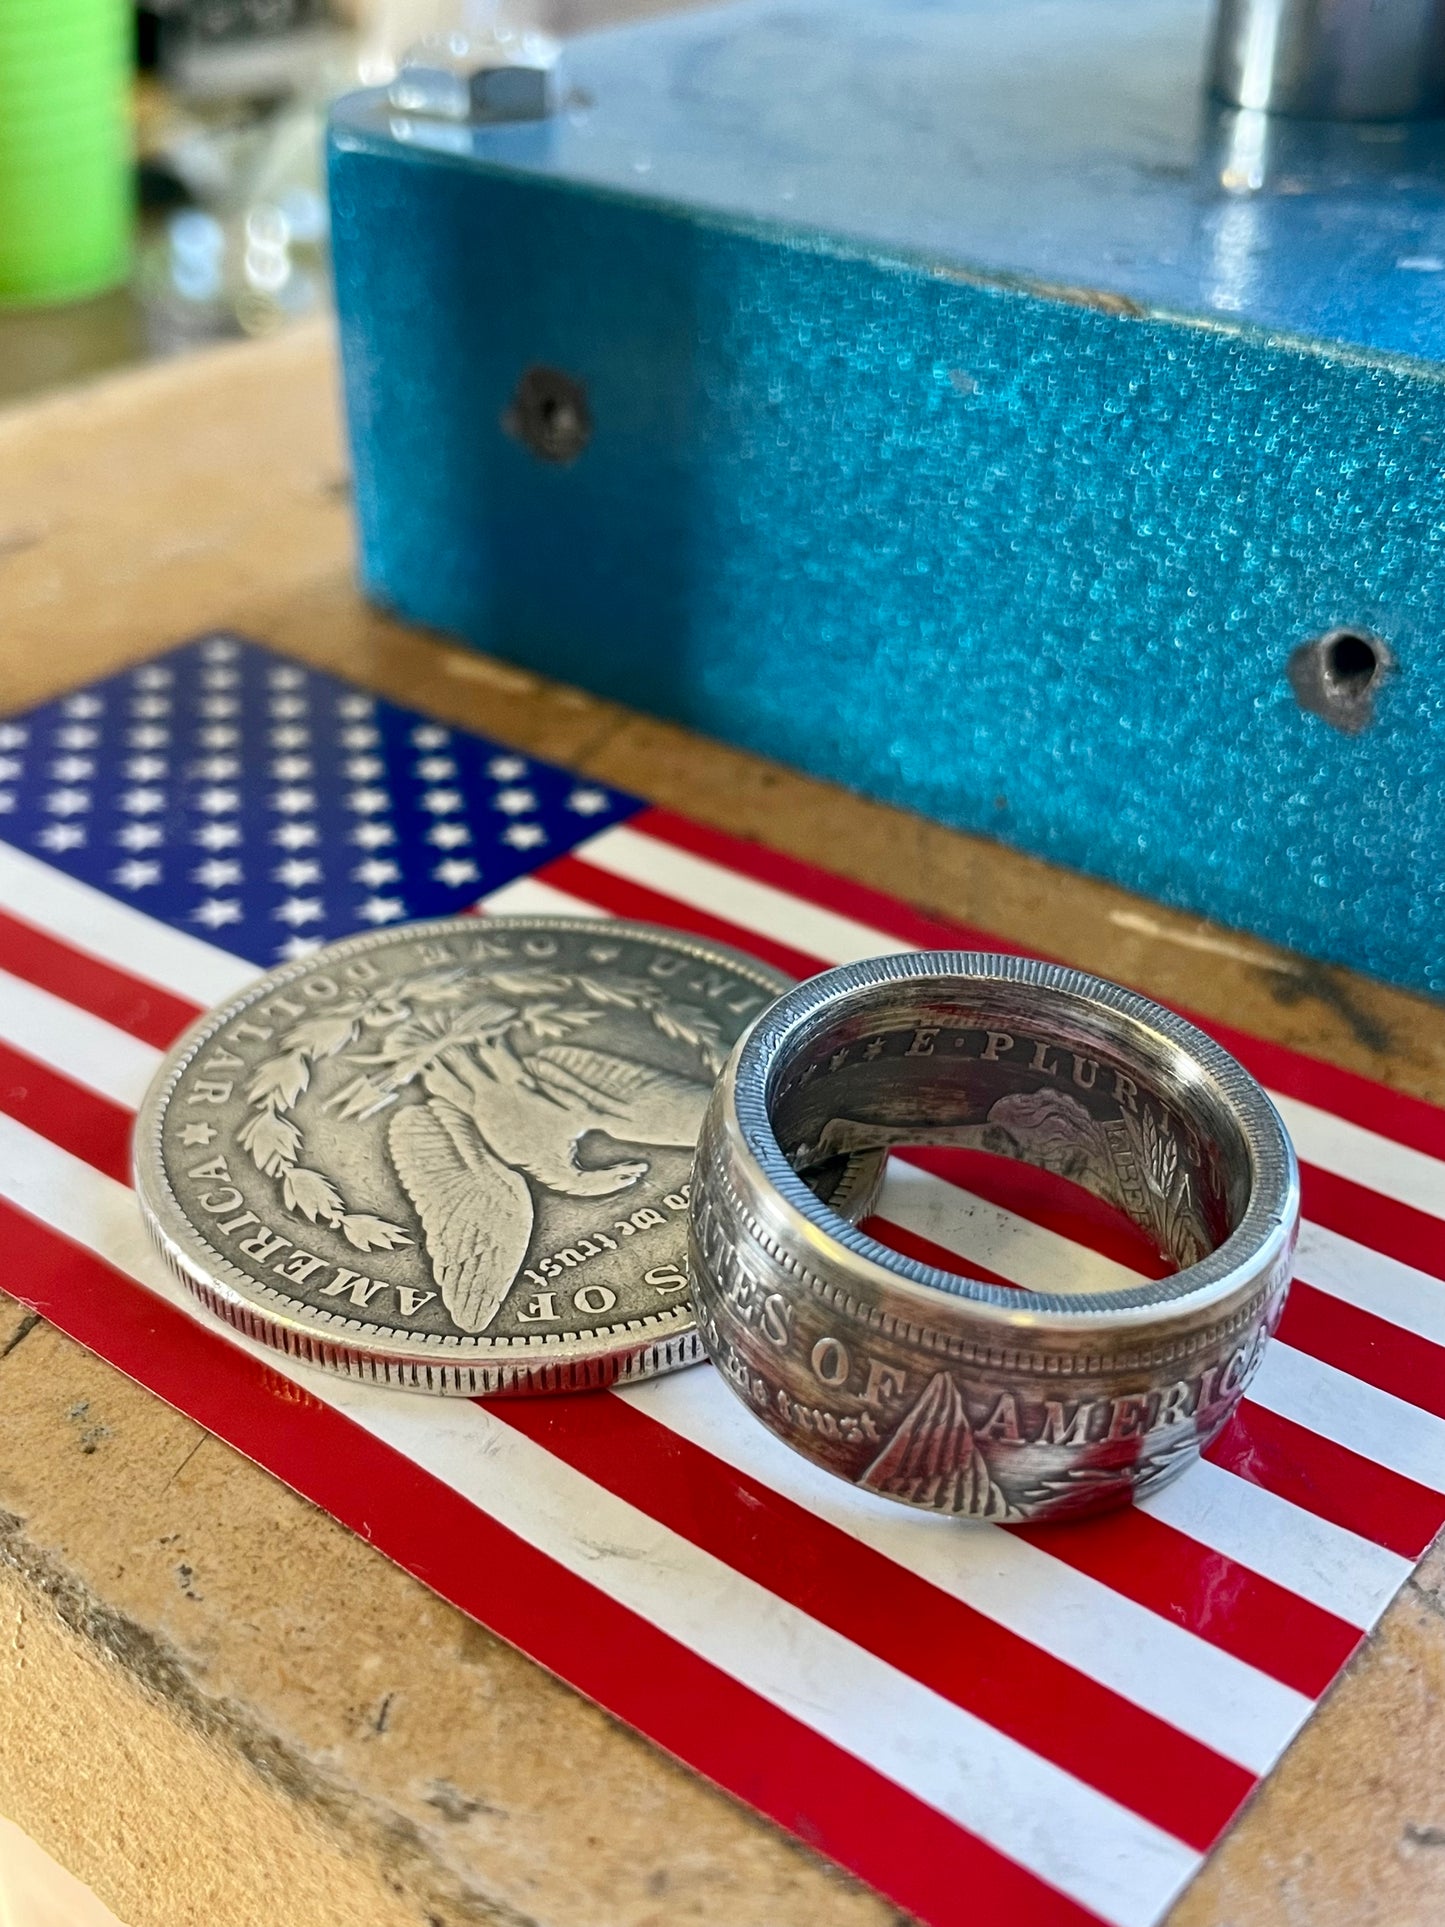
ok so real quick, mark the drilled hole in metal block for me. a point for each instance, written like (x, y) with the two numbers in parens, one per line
(549, 415)
(1338, 676)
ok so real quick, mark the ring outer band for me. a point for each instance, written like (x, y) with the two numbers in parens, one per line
(950, 1394)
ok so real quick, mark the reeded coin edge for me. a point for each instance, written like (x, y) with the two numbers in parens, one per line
(478, 1364)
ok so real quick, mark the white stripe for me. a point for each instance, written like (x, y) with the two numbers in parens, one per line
(1398, 1171)
(1396, 1292)
(1145, 1658)
(1348, 1576)
(1373, 1423)
(118, 933)
(85, 1048)
(985, 1234)
(1063, 1831)
(742, 900)
(529, 897)
(1368, 1158)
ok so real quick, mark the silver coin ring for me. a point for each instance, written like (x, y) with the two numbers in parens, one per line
(948, 1393)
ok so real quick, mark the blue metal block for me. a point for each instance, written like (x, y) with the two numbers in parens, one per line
(977, 419)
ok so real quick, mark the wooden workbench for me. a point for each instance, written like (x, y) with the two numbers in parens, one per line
(218, 1706)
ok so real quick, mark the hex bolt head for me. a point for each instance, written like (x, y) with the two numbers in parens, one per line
(482, 78)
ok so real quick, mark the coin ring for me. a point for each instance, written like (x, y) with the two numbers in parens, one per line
(948, 1393)
(456, 1364)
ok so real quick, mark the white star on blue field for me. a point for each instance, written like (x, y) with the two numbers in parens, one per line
(271, 807)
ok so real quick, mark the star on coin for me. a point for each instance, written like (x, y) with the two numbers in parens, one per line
(447, 836)
(217, 873)
(292, 769)
(297, 946)
(428, 736)
(77, 736)
(362, 736)
(65, 769)
(355, 705)
(524, 836)
(375, 871)
(368, 802)
(12, 735)
(293, 802)
(218, 802)
(290, 736)
(145, 769)
(217, 769)
(197, 1136)
(456, 870)
(365, 769)
(218, 736)
(297, 871)
(506, 769)
(148, 736)
(294, 836)
(143, 802)
(135, 875)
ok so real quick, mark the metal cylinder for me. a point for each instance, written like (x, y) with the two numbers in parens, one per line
(1331, 59)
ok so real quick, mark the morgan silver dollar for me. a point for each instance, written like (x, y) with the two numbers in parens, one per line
(454, 1155)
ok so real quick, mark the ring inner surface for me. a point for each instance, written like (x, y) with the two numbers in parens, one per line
(1079, 1090)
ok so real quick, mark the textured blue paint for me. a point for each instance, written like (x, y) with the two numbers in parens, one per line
(869, 505)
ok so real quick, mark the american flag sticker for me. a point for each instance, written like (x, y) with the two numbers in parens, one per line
(1048, 1724)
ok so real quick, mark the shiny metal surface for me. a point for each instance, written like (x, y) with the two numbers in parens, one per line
(1331, 59)
(454, 1155)
(937, 1390)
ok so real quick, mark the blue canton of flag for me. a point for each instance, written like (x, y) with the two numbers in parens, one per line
(235, 794)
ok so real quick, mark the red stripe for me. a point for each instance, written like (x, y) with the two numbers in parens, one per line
(823, 887)
(89, 1125)
(1393, 1114)
(834, 1802)
(1239, 1611)
(621, 898)
(1398, 1230)
(125, 1001)
(1366, 1347)
(1329, 1480)
(1016, 1687)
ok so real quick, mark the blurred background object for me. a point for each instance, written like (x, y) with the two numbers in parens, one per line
(160, 166)
(64, 161)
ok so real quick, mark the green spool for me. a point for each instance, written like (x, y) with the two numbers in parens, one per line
(65, 153)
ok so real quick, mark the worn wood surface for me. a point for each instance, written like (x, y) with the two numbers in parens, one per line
(216, 1704)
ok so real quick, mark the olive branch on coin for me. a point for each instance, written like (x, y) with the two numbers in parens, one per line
(414, 1023)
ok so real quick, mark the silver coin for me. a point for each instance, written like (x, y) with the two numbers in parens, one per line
(456, 1155)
